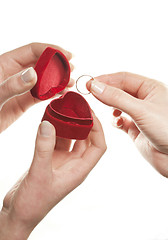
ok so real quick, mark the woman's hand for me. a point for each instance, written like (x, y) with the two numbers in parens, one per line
(55, 171)
(17, 77)
(146, 101)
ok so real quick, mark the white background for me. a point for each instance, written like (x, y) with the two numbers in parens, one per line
(123, 197)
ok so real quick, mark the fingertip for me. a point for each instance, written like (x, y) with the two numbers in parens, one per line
(96, 122)
(29, 76)
(71, 82)
(97, 87)
(93, 113)
(96, 137)
(88, 85)
(118, 122)
(46, 129)
(72, 67)
(69, 55)
(45, 140)
(116, 112)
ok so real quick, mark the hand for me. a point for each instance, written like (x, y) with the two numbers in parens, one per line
(55, 171)
(15, 81)
(146, 101)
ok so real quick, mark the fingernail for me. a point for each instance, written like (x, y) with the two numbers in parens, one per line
(28, 74)
(45, 129)
(97, 87)
(117, 122)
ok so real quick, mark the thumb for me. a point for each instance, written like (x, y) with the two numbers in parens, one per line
(44, 148)
(115, 97)
(17, 84)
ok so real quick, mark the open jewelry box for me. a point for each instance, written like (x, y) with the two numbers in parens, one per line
(70, 114)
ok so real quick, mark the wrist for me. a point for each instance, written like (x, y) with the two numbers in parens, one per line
(11, 228)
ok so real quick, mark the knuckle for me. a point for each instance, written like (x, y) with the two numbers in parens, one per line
(11, 87)
(2, 74)
(32, 46)
(162, 87)
(124, 78)
(34, 43)
(41, 153)
(124, 75)
(5, 89)
(43, 148)
(14, 85)
(104, 148)
(114, 94)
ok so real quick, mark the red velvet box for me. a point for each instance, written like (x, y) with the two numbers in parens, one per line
(53, 74)
(70, 114)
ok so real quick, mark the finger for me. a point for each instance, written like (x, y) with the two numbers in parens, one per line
(80, 146)
(44, 148)
(116, 98)
(63, 144)
(134, 84)
(26, 56)
(117, 122)
(71, 82)
(127, 126)
(17, 84)
(97, 146)
(72, 67)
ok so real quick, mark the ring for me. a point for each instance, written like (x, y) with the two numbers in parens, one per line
(83, 79)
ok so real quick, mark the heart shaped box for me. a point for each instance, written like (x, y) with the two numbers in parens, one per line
(53, 74)
(71, 116)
